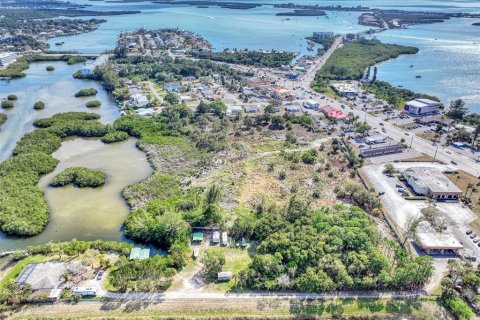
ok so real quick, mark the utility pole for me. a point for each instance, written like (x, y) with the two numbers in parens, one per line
(435, 155)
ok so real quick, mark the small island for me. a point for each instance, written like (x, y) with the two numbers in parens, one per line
(7, 104)
(39, 105)
(303, 13)
(50, 68)
(115, 136)
(93, 104)
(3, 119)
(86, 92)
(79, 177)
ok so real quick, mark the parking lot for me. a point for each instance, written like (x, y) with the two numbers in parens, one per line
(401, 210)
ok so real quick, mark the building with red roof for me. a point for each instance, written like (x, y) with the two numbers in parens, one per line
(333, 113)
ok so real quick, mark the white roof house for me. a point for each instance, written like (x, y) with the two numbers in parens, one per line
(139, 100)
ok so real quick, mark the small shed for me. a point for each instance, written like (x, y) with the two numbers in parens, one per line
(197, 237)
(224, 276)
(138, 253)
(224, 238)
(216, 237)
(54, 294)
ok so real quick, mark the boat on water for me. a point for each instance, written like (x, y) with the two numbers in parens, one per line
(418, 77)
(59, 43)
(411, 66)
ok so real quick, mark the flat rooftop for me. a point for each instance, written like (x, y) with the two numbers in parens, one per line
(438, 241)
(432, 178)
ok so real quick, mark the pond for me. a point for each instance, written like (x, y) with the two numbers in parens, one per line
(88, 213)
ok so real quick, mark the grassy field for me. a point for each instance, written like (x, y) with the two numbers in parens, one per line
(241, 309)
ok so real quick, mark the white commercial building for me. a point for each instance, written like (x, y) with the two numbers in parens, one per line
(419, 107)
(375, 139)
(435, 241)
(430, 182)
(345, 89)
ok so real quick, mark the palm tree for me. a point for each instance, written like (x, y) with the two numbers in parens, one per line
(469, 186)
(475, 135)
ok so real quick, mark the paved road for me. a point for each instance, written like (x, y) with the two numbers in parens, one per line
(157, 297)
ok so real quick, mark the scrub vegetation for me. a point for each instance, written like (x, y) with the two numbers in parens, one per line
(79, 177)
(393, 95)
(23, 210)
(266, 59)
(86, 92)
(350, 61)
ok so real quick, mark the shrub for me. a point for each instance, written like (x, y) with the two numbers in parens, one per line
(80, 177)
(86, 92)
(459, 308)
(23, 209)
(309, 157)
(39, 105)
(213, 262)
(50, 68)
(115, 136)
(12, 97)
(3, 118)
(93, 104)
(282, 175)
(7, 104)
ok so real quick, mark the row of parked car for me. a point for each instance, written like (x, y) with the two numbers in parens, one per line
(473, 236)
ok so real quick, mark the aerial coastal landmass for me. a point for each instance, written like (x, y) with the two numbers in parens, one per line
(230, 160)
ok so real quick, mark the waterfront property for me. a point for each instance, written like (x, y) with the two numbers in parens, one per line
(139, 100)
(323, 35)
(7, 58)
(420, 107)
(430, 182)
(139, 254)
(43, 276)
(447, 124)
(86, 71)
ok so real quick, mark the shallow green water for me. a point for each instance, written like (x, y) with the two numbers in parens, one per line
(89, 213)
